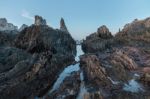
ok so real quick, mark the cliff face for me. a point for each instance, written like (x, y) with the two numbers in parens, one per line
(32, 62)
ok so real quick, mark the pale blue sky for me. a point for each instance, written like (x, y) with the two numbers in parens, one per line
(82, 17)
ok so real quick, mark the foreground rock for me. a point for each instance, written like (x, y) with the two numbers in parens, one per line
(93, 72)
(30, 66)
(68, 89)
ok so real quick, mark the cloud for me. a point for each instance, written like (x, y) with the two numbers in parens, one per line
(27, 15)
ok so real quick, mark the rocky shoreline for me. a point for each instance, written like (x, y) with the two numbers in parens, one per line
(38, 61)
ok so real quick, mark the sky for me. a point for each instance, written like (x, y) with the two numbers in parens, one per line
(82, 17)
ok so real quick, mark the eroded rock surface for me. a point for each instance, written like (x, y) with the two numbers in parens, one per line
(125, 59)
(32, 62)
(63, 25)
(93, 72)
(23, 27)
(68, 89)
(39, 20)
(5, 26)
(98, 41)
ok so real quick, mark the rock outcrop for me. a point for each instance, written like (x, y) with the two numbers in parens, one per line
(103, 32)
(125, 59)
(7, 37)
(99, 41)
(38, 38)
(39, 20)
(5, 26)
(63, 25)
(136, 33)
(30, 66)
(22, 27)
(94, 73)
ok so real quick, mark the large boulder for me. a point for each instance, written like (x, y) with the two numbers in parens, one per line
(103, 32)
(99, 41)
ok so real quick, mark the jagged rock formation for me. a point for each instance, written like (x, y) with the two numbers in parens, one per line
(137, 26)
(124, 59)
(42, 38)
(63, 25)
(93, 72)
(5, 26)
(7, 37)
(103, 32)
(29, 66)
(22, 27)
(39, 20)
(136, 33)
(98, 41)
(8, 32)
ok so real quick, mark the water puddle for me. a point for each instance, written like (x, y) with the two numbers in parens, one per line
(68, 70)
(82, 88)
(133, 86)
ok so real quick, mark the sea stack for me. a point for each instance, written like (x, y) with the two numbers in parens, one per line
(39, 21)
(62, 25)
